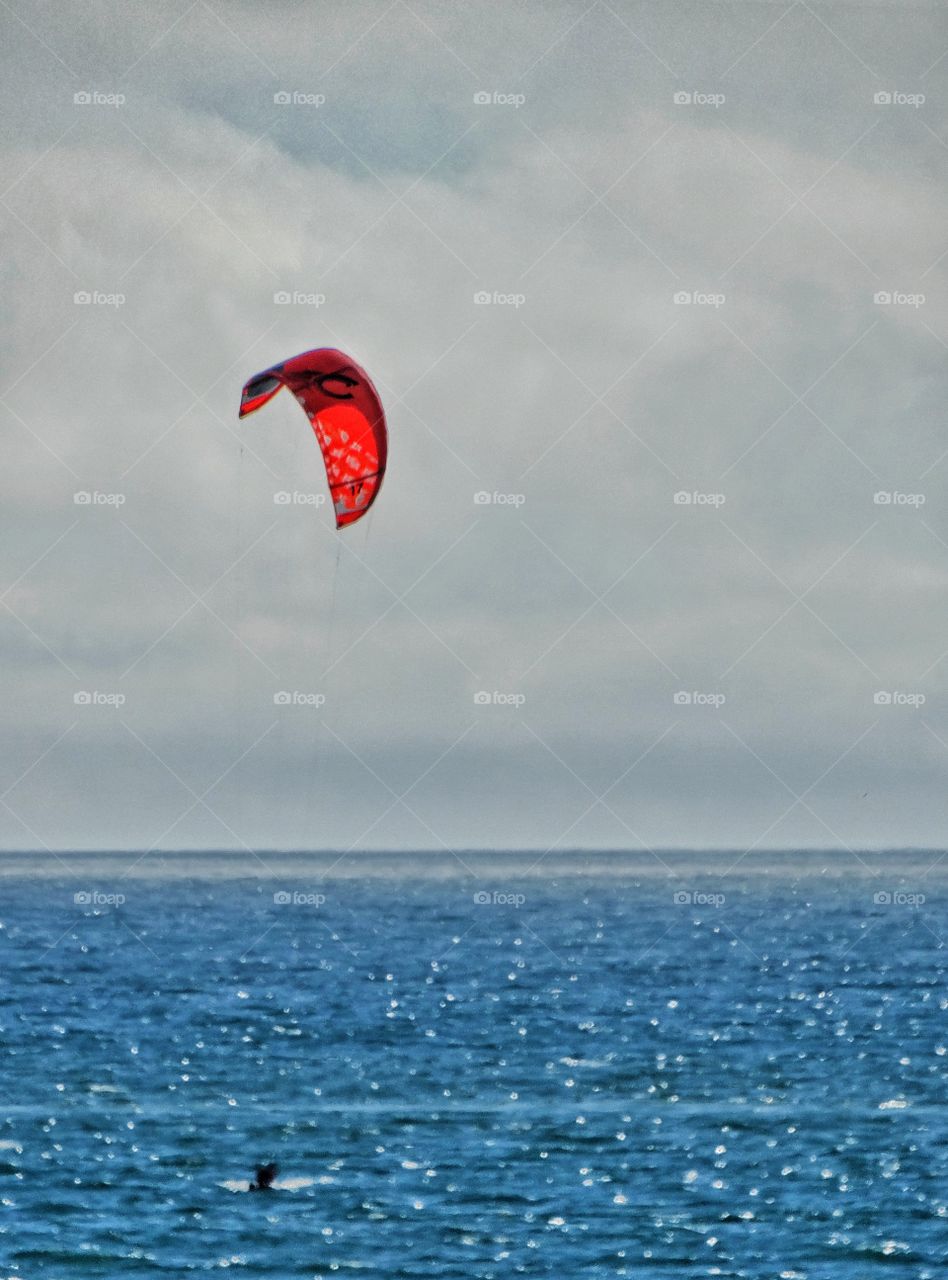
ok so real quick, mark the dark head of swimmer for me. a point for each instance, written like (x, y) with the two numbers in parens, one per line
(265, 1175)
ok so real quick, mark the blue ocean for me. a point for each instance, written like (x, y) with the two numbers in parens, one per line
(485, 1066)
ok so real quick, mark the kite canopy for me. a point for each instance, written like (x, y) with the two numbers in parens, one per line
(347, 419)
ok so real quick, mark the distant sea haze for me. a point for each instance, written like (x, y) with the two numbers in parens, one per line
(789, 864)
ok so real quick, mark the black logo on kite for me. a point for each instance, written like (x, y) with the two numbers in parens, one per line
(335, 384)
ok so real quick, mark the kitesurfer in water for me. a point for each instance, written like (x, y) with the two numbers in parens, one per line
(265, 1175)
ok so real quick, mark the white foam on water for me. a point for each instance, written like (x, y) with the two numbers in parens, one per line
(280, 1184)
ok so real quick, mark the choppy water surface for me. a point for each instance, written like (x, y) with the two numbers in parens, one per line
(619, 1071)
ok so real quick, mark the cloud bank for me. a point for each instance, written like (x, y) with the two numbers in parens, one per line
(656, 304)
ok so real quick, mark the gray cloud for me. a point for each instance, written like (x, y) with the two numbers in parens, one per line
(782, 399)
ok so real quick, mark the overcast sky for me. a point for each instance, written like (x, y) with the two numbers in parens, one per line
(762, 665)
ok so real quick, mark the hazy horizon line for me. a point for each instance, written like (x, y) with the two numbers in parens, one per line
(525, 850)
